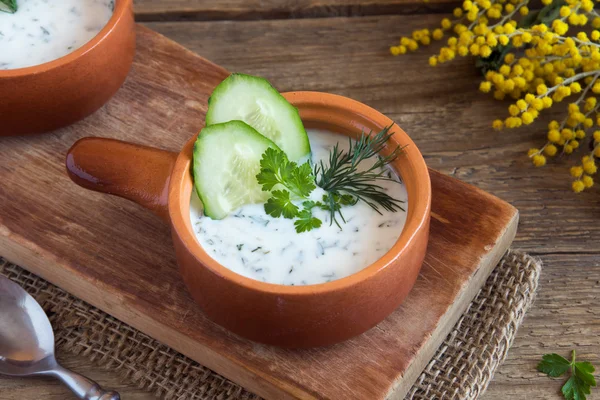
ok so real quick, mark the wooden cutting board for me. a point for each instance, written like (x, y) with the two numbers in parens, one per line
(118, 256)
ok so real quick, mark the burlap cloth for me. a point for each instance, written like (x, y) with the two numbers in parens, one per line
(461, 369)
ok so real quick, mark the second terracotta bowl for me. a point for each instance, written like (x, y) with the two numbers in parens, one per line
(290, 316)
(58, 93)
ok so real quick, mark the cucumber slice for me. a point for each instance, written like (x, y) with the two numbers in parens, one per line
(254, 101)
(226, 161)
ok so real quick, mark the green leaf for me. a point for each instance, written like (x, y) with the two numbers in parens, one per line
(584, 371)
(267, 179)
(301, 180)
(280, 204)
(306, 221)
(494, 60)
(328, 203)
(9, 6)
(575, 389)
(271, 163)
(548, 14)
(341, 178)
(544, 16)
(581, 380)
(346, 200)
(275, 168)
(530, 19)
(309, 204)
(554, 365)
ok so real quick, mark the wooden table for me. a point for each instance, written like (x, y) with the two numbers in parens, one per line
(341, 46)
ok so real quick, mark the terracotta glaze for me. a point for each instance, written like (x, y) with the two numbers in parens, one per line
(289, 316)
(49, 96)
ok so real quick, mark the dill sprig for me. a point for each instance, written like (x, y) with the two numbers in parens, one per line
(341, 176)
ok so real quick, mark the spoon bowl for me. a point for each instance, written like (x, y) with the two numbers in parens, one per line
(27, 343)
(26, 337)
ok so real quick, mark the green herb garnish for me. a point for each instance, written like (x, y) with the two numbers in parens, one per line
(344, 182)
(9, 6)
(280, 204)
(341, 177)
(581, 380)
(275, 168)
(292, 182)
(306, 221)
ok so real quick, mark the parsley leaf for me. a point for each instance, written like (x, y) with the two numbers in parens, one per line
(271, 164)
(553, 365)
(581, 381)
(275, 168)
(309, 204)
(287, 181)
(347, 200)
(291, 181)
(341, 178)
(584, 370)
(281, 204)
(301, 181)
(575, 389)
(306, 221)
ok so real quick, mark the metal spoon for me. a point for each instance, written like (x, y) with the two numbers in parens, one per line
(27, 344)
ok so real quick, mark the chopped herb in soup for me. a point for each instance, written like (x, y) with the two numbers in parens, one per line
(254, 244)
(45, 30)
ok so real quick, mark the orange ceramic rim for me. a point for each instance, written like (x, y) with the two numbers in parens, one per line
(419, 199)
(121, 7)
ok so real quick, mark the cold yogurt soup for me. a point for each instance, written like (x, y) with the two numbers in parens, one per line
(261, 247)
(44, 30)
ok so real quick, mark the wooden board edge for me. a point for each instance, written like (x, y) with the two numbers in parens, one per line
(20, 251)
(403, 384)
(23, 253)
(142, 29)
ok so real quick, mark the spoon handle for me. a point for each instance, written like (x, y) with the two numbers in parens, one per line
(84, 388)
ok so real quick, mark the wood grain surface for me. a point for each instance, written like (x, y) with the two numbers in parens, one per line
(206, 10)
(450, 122)
(118, 257)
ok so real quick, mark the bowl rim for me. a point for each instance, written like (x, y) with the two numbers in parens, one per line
(416, 219)
(121, 8)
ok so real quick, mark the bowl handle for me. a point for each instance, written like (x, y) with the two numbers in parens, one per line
(127, 170)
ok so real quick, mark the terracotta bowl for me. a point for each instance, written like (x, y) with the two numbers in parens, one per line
(57, 93)
(290, 316)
